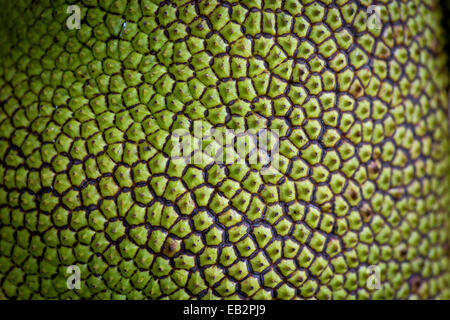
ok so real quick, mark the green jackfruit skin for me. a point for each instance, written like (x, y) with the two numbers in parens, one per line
(446, 24)
(86, 178)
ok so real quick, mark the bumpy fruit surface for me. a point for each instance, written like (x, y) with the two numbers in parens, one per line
(87, 180)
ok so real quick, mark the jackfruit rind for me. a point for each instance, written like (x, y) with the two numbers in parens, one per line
(86, 178)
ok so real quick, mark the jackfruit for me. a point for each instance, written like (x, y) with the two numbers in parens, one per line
(93, 92)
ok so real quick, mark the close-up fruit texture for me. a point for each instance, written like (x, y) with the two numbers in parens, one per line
(92, 92)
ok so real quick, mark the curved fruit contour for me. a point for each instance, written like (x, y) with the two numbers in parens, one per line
(86, 178)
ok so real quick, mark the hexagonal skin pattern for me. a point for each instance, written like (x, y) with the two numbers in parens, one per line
(86, 116)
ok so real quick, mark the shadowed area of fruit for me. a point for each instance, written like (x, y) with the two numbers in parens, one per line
(360, 101)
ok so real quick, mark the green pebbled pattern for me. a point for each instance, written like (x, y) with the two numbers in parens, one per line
(85, 177)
